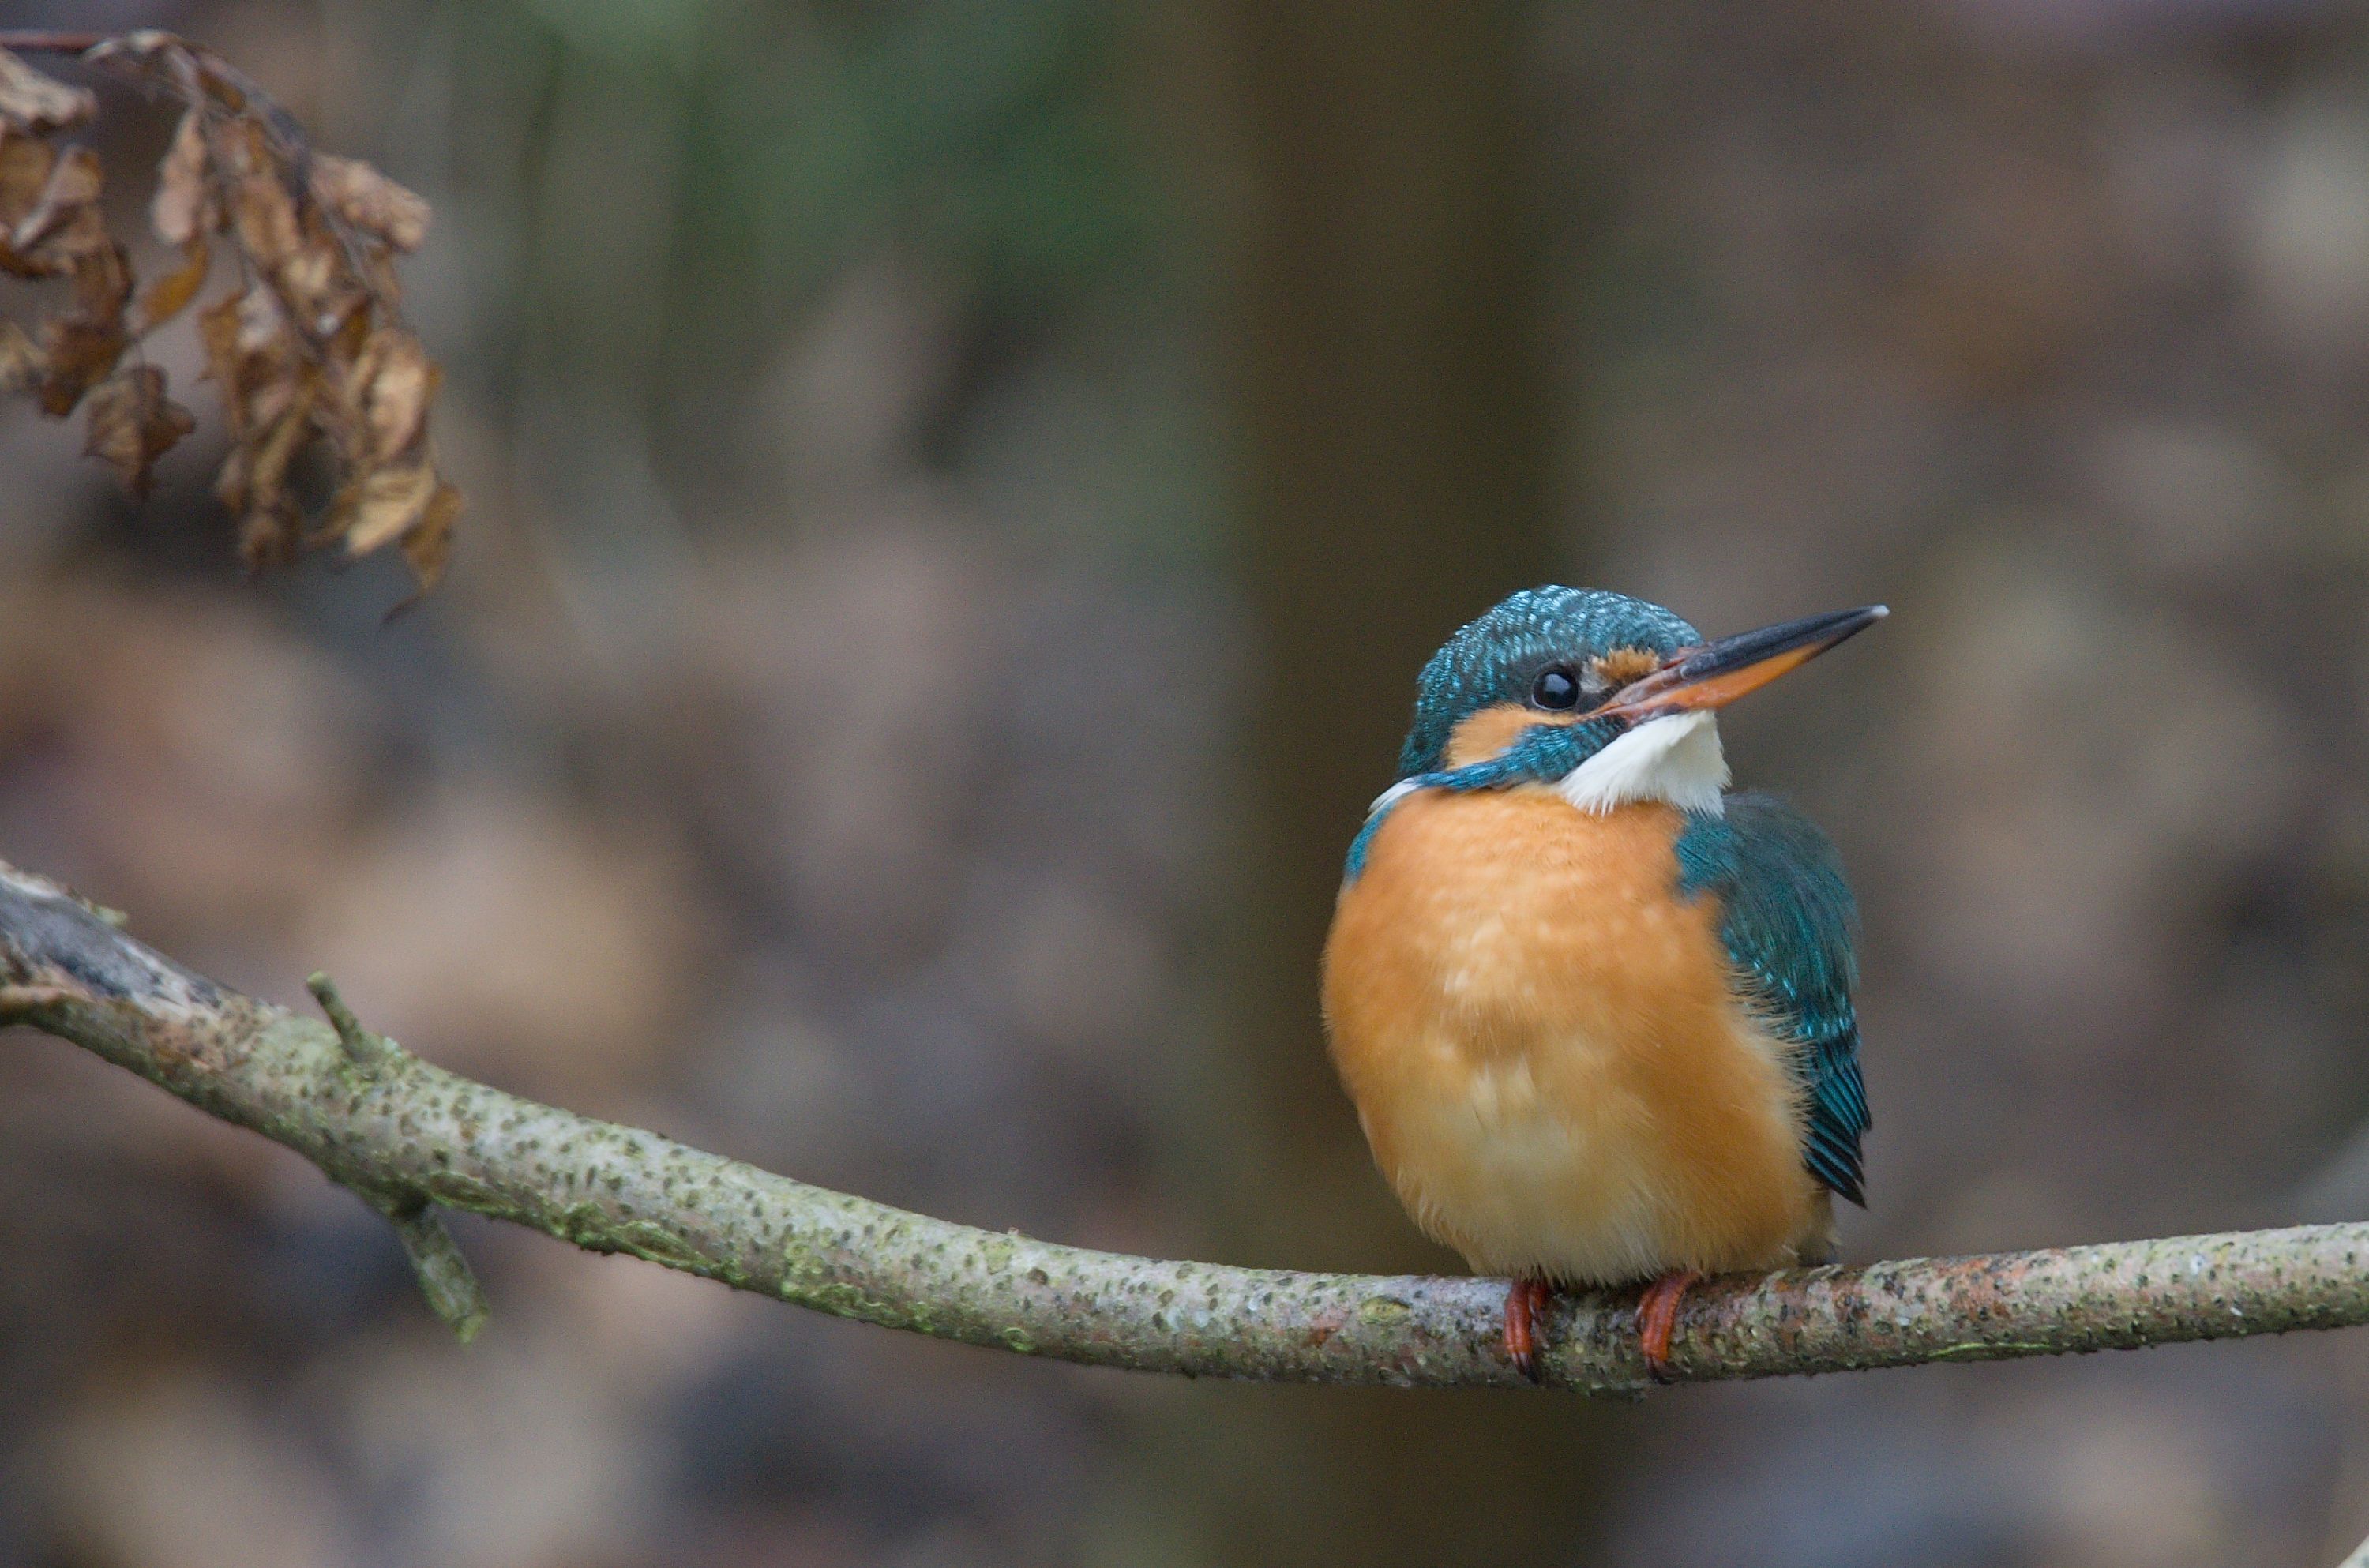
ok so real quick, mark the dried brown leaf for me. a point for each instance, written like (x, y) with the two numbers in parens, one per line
(102, 282)
(31, 101)
(311, 349)
(370, 202)
(167, 296)
(269, 534)
(378, 277)
(185, 208)
(354, 330)
(254, 481)
(21, 363)
(233, 489)
(317, 283)
(384, 506)
(408, 504)
(64, 223)
(252, 357)
(133, 423)
(267, 224)
(25, 164)
(262, 326)
(77, 351)
(274, 450)
(290, 243)
(429, 545)
(64, 232)
(217, 334)
(391, 384)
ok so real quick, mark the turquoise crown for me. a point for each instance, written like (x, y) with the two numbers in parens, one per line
(1497, 657)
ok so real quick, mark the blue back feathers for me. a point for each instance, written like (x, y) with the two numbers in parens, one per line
(1789, 923)
(1496, 657)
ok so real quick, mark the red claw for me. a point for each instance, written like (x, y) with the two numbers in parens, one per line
(1525, 1305)
(1657, 1316)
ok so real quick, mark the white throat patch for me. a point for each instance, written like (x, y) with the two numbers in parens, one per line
(1675, 758)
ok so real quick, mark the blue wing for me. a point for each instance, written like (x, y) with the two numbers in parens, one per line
(1789, 922)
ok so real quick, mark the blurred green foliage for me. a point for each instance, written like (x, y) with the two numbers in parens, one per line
(687, 178)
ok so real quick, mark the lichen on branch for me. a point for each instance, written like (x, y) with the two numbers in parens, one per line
(410, 1138)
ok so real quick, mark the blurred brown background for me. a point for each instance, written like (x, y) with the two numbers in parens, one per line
(960, 491)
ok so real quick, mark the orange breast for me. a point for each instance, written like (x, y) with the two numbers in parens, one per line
(1545, 1048)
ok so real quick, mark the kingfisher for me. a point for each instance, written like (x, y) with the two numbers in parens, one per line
(1593, 1009)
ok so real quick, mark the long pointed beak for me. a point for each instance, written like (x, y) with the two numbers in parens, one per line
(1717, 673)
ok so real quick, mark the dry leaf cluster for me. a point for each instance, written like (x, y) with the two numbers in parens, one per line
(308, 350)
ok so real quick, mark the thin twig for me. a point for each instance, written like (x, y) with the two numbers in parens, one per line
(444, 1275)
(35, 42)
(368, 1051)
(438, 1265)
(415, 1130)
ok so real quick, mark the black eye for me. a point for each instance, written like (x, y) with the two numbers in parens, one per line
(1555, 689)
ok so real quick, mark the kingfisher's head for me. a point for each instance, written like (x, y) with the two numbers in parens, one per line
(1645, 682)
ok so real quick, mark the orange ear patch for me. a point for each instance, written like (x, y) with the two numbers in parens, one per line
(1485, 734)
(1623, 665)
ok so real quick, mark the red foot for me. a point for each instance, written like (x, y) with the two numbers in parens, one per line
(1525, 1305)
(1657, 1315)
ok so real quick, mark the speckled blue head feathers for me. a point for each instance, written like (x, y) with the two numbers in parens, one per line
(1498, 657)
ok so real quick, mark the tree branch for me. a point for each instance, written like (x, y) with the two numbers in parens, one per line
(407, 1135)
(443, 1272)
